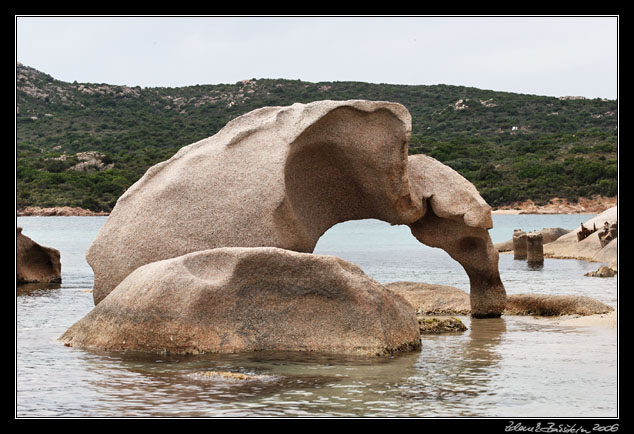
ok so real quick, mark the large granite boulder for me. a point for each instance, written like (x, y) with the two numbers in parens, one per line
(281, 177)
(36, 263)
(277, 176)
(249, 299)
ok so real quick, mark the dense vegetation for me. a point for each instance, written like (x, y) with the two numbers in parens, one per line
(513, 147)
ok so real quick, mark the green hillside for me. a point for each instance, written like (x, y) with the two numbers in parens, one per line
(83, 144)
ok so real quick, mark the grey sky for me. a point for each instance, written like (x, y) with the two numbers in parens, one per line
(553, 56)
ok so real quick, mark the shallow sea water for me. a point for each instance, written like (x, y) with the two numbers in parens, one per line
(517, 367)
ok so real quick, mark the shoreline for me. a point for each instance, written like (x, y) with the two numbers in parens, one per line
(506, 211)
(601, 320)
(595, 205)
(63, 211)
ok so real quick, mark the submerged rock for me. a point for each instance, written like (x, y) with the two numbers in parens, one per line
(429, 299)
(231, 377)
(230, 300)
(554, 305)
(36, 263)
(434, 325)
(603, 271)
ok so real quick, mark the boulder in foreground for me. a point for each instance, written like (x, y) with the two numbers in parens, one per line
(235, 299)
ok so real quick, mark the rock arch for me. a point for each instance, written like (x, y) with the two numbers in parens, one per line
(350, 164)
(281, 176)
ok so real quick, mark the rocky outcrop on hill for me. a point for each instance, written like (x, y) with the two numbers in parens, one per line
(36, 263)
(36, 84)
(249, 299)
(90, 161)
(282, 176)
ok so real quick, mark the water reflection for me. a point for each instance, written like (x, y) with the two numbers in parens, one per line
(455, 370)
(499, 367)
(535, 266)
(36, 288)
(485, 335)
(286, 383)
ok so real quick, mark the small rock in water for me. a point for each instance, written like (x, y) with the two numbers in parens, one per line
(554, 305)
(602, 272)
(430, 325)
(230, 376)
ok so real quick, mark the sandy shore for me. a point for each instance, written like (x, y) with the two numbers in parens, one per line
(604, 320)
(506, 211)
(609, 320)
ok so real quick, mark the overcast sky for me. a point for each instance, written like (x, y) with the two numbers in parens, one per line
(554, 56)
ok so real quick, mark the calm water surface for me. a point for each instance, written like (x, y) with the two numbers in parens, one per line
(506, 367)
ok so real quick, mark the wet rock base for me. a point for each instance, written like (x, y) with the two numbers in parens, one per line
(436, 325)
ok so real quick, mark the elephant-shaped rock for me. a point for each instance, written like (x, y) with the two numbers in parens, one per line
(281, 177)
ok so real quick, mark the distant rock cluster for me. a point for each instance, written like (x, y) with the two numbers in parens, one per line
(590, 248)
(590, 245)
